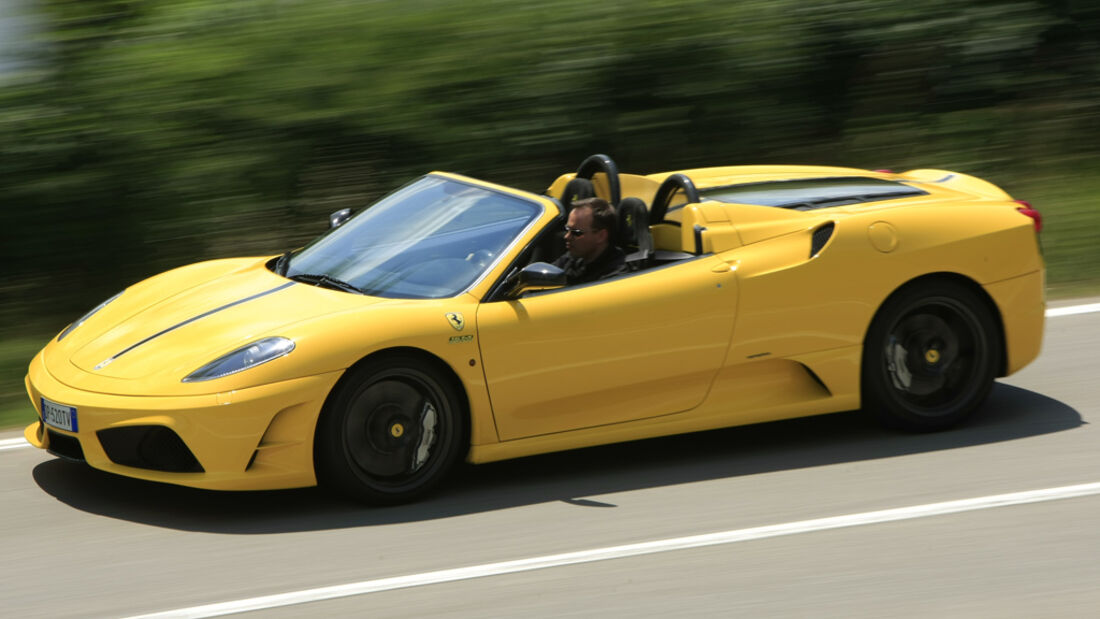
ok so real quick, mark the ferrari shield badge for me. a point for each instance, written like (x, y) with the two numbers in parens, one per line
(456, 320)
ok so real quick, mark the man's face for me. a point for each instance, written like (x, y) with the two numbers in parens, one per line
(580, 239)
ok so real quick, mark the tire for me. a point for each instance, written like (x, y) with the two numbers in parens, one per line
(930, 357)
(390, 432)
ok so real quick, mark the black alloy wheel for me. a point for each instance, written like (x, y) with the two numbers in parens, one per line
(930, 357)
(390, 432)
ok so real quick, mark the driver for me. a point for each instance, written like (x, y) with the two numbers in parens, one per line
(590, 254)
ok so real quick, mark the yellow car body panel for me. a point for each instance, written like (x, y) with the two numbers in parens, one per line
(584, 357)
(751, 327)
(272, 422)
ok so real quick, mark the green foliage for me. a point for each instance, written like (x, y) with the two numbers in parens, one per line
(15, 355)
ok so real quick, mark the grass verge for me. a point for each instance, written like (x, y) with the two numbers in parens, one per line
(15, 354)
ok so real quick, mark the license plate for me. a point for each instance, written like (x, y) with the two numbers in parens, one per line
(59, 415)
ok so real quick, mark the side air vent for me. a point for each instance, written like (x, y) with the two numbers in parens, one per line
(821, 236)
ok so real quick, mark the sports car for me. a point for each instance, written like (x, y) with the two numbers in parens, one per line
(431, 328)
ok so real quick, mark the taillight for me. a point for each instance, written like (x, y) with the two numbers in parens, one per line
(1026, 208)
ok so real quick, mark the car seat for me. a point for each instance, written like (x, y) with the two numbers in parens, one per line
(634, 237)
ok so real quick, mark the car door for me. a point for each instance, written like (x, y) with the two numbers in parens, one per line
(622, 349)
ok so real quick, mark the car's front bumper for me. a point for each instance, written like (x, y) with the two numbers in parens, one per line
(250, 439)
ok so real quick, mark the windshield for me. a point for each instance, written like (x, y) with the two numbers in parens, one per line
(432, 238)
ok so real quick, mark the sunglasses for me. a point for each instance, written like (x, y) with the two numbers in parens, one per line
(576, 232)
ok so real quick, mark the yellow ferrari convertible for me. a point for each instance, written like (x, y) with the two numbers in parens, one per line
(431, 327)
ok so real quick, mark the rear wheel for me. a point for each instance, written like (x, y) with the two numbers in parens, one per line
(930, 357)
(390, 432)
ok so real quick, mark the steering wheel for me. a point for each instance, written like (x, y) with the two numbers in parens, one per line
(669, 188)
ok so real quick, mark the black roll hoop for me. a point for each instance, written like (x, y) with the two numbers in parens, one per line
(602, 163)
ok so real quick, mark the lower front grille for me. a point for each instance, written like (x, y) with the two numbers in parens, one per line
(149, 447)
(65, 446)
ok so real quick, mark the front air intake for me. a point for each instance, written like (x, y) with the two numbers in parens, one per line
(65, 446)
(149, 447)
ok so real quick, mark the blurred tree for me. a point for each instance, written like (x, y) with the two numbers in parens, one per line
(157, 132)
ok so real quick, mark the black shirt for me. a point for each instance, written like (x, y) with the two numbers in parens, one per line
(611, 262)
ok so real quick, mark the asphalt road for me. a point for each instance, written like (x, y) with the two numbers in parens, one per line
(80, 543)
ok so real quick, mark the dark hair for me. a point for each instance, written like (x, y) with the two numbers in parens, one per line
(603, 215)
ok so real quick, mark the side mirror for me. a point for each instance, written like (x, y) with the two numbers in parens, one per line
(337, 219)
(537, 276)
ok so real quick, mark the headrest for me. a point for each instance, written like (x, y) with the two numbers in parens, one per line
(576, 189)
(634, 224)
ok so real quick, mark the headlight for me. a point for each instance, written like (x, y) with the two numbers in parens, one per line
(249, 356)
(79, 322)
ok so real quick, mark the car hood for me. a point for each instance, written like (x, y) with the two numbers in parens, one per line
(179, 321)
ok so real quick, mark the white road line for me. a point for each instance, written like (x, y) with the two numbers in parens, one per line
(16, 443)
(1073, 309)
(13, 443)
(629, 550)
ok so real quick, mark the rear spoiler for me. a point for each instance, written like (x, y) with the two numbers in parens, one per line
(957, 181)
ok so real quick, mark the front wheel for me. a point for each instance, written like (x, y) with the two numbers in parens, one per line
(930, 357)
(390, 432)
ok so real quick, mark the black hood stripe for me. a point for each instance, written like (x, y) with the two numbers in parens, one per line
(111, 360)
